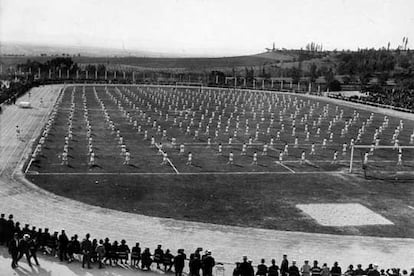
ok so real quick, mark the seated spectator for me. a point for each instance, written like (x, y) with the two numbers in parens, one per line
(273, 269)
(135, 255)
(293, 269)
(100, 253)
(158, 256)
(261, 268)
(108, 252)
(123, 252)
(374, 271)
(168, 261)
(359, 271)
(146, 260)
(114, 253)
(350, 271)
(336, 270)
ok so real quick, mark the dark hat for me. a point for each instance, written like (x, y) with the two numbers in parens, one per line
(10, 216)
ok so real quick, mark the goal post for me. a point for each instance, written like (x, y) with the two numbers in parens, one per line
(382, 160)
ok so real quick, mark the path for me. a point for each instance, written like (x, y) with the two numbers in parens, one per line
(33, 205)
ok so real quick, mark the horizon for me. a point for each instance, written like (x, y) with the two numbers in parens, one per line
(203, 28)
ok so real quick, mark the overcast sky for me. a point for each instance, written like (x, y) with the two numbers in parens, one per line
(213, 27)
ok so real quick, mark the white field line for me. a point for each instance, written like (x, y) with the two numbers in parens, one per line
(186, 173)
(411, 207)
(284, 166)
(169, 161)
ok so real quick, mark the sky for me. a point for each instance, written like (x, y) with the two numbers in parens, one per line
(208, 28)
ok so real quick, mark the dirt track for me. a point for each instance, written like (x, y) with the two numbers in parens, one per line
(32, 205)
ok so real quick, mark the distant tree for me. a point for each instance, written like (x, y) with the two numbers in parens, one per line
(334, 85)
(313, 72)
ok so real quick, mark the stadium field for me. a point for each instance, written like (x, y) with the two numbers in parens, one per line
(251, 156)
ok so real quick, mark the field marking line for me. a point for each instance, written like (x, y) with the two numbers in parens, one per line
(169, 161)
(185, 173)
(284, 166)
(411, 207)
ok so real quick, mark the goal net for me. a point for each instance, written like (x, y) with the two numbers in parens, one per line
(383, 162)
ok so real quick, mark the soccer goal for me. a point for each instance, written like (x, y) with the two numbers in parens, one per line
(383, 162)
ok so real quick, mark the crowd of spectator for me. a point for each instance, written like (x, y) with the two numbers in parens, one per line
(402, 98)
(29, 241)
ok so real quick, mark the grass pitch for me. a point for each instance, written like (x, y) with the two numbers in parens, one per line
(213, 189)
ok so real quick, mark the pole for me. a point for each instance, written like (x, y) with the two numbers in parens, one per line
(60, 73)
(86, 74)
(352, 159)
(106, 74)
(67, 73)
(96, 74)
(38, 72)
(216, 79)
(263, 81)
(133, 76)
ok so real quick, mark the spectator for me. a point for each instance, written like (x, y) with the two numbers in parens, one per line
(350, 271)
(168, 260)
(33, 247)
(262, 268)
(158, 256)
(179, 262)
(359, 271)
(293, 269)
(325, 270)
(373, 271)
(77, 248)
(108, 252)
(9, 229)
(246, 268)
(94, 255)
(146, 260)
(45, 241)
(123, 252)
(195, 264)
(17, 229)
(208, 264)
(3, 223)
(273, 269)
(86, 249)
(236, 270)
(135, 255)
(63, 246)
(336, 270)
(305, 269)
(14, 250)
(100, 252)
(24, 249)
(316, 270)
(284, 266)
(114, 253)
(412, 272)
